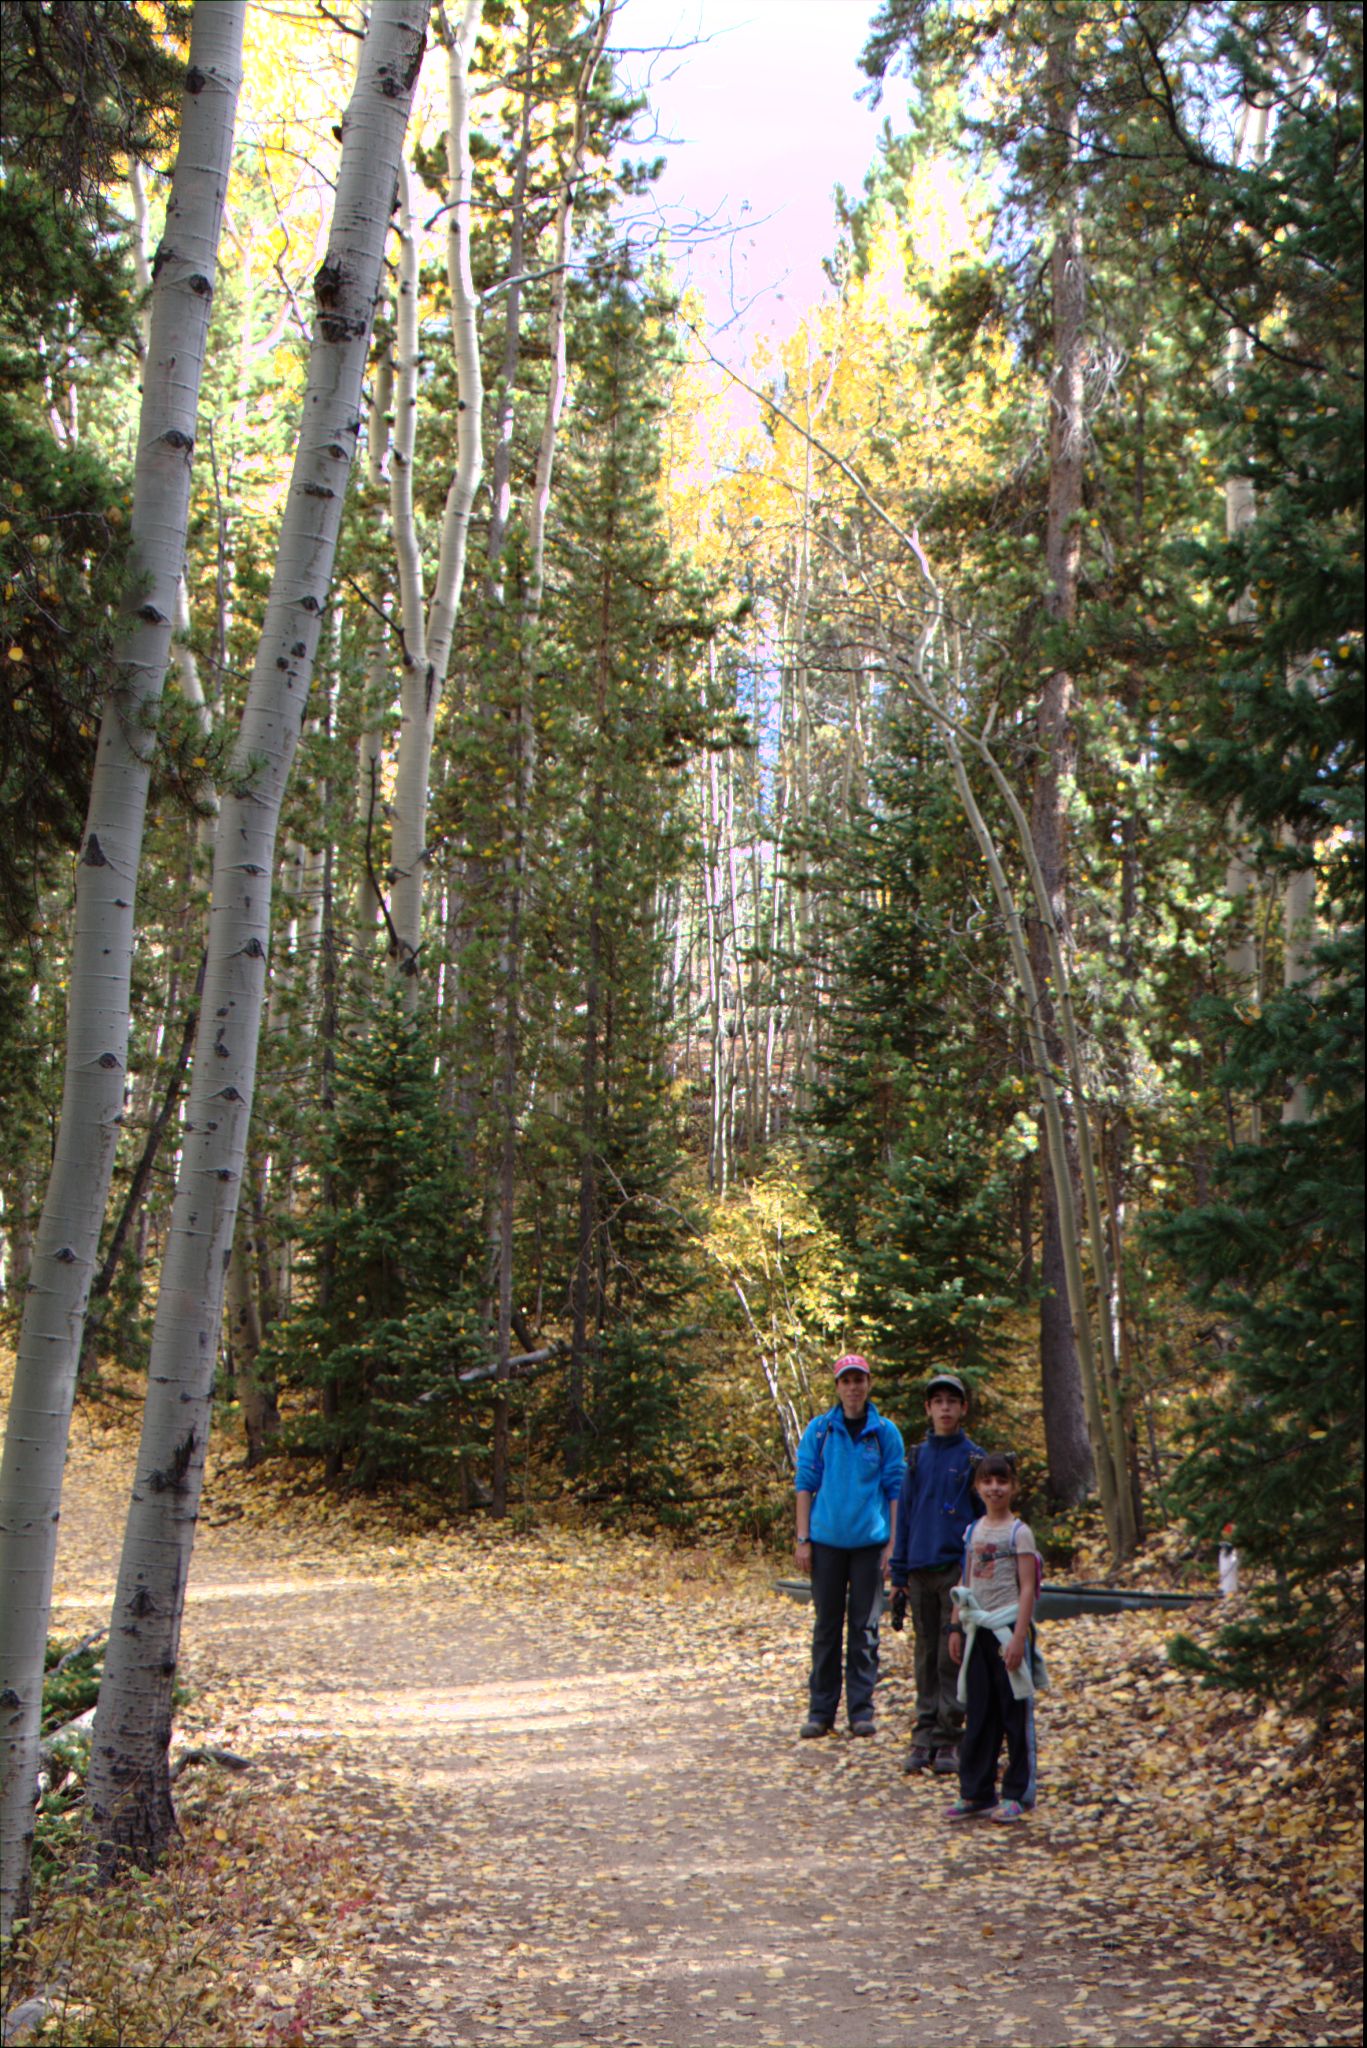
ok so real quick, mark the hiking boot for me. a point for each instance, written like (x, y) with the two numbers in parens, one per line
(917, 1758)
(863, 1726)
(811, 1727)
(946, 1762)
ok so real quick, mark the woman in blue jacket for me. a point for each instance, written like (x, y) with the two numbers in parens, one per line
(849, 1478)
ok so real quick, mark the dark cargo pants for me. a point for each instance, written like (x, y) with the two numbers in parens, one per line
(995, 1716)
(939, 1717)
(845, 1587)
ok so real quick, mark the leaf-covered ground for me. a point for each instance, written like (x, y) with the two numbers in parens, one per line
(549, 1789)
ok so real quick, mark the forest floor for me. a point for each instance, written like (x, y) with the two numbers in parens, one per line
(549, 1788)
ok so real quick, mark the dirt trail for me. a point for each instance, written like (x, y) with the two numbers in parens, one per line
(571, 1775)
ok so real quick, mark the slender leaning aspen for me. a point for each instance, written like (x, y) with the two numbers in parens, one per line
(130, 1811)
(429, 637)
(65, 1252)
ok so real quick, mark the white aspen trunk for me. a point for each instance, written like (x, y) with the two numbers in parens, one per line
(129, 1808)
(798, 899)
(1300, 934)
(370, 754)
(102, 951)
(773, 1119)
(408, 845)
(716, 1151)
(742, 997)
(429, 636)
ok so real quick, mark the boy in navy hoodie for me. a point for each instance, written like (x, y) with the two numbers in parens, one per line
(937, 1505)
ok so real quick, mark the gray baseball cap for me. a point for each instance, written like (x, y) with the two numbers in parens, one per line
(946, 1383)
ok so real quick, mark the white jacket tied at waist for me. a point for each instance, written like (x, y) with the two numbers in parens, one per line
(1030, 1675)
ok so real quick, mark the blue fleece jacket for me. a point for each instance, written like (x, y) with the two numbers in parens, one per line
(854, 1479)
(937, 1505)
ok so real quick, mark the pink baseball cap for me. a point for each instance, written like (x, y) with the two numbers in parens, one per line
(852, 1362)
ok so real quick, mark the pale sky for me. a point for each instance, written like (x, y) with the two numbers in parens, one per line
(764, 123)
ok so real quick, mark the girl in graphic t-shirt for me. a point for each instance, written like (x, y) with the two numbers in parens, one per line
(990, 1640)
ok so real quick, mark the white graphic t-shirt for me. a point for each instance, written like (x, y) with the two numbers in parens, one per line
(992, 1555)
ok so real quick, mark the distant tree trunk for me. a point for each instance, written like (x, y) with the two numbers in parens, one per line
(742, 993)
(256, 1396)
(585, 1292)
(1071, 1468)
(1300, 937)
(1243, 955)
(129, 1807)
(137, 1186)
(106, 880)
(718, 1151)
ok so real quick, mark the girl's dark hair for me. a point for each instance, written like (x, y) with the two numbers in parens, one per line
(995, 1465)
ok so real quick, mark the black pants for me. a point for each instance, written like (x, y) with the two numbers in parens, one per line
(994, 1712)
(845, 1588)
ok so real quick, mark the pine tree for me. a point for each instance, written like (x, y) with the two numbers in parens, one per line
(1276, 1458)
(917, 1111)
(83, 88)
(388, 1309)
(627, 627)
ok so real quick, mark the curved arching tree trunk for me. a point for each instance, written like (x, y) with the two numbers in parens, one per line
(67, 1244)
(129, 1807)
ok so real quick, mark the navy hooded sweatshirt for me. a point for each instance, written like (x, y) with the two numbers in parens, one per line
(937, 1505)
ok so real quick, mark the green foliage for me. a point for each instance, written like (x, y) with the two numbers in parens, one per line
(638, 1444)
(71, 1686)
(387, 1314)
(1275, 1466)
(62, 573)
(84, 89)
(1277, 1440)
(72, 1681)
(30, 1081)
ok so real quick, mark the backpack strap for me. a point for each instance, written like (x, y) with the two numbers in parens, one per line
(823, 1430)
(1016, 1526)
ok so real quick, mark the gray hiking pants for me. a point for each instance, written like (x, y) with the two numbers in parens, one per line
(939, 1717)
